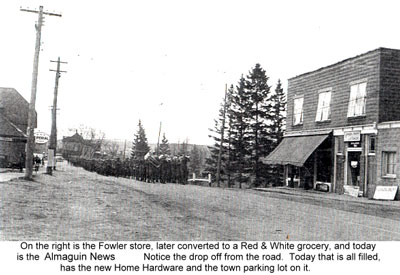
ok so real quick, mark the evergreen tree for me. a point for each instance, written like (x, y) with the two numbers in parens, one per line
(184, 148)
(278, 100)
(195, 160)
(164, 146)
(259, 115)
(240, 145)
(220, 124)
(140, 147)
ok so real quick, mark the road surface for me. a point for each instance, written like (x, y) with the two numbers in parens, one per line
(74, 204)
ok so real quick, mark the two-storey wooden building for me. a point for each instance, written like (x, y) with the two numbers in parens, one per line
(343, 125)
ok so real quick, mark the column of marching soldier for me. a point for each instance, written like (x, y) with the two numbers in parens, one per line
(153, 169)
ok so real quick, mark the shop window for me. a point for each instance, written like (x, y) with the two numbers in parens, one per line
(389, 164)
(371, 145)
(358, 98)
(339, 145)
(298, 111)
(324, 106)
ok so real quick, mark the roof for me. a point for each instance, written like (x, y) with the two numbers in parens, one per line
(8, 96)
(74, 138)
(344, 61)
(8, 129)
(15, 107)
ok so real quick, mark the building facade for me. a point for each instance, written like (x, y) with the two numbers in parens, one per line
(343, 125)
(14, 111)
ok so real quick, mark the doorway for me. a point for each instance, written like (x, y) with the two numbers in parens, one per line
(353, 168)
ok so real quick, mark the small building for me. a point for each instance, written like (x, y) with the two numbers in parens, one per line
(343, 125)
(72, 146)
(14, 110)
(77, 146)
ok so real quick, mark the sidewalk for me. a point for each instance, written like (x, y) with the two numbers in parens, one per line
(299, 192)
(10, 174)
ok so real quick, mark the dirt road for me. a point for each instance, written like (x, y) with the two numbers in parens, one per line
(77, 205)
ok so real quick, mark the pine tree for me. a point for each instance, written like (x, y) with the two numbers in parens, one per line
(140, 147)
(220, 125)
(164, 146)
(278, 100)
(195, 160)
(238, 119)
(259, 115)
(184, 147)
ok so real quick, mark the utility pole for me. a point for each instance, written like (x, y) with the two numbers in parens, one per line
(158, 141)
(53, 134)
(222, 140)
(32, 114)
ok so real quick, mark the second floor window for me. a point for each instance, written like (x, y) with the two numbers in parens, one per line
(298, 111)
(324, 106)
(358, 98)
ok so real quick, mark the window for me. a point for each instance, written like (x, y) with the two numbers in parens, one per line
(324, 106)
(371, 145)
(358, 96)
(389, 164)
(298, 111)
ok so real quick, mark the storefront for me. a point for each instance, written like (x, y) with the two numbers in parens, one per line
(339, 160)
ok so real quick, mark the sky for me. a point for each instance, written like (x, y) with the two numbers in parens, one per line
(168, 61)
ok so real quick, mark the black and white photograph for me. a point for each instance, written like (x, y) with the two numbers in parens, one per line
(200, 121)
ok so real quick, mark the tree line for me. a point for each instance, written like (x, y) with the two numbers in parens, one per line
(140, 147)
(249, 126)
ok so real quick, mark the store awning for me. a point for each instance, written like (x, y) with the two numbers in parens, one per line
(294, 150)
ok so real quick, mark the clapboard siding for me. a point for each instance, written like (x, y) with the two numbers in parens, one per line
(390, 86)
(338, 77)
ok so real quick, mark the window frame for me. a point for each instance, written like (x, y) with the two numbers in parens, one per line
(296, 113)
(370, 138)
(385, 167)
(354, 98)
(320, 108)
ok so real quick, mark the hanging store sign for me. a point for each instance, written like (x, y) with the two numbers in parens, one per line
(41, 137)
(352, 136)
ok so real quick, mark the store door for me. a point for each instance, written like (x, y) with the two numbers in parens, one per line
(353, 168)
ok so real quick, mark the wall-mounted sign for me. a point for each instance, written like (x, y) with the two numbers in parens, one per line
(355, 144)
(352, 136)
(385, 192)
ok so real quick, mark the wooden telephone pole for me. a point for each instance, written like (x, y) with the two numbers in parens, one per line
(53, 134)
(32, 114)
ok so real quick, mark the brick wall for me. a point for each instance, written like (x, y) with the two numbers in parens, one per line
(338, 77)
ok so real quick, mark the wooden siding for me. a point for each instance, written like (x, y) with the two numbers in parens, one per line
(389, 94)
(338, 77)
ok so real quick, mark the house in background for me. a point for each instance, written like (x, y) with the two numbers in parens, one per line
(343, 125)
(14, 111)
(77, 146)
(72, 146)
